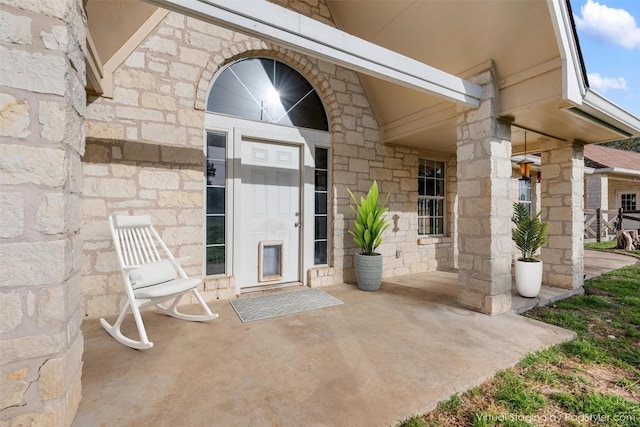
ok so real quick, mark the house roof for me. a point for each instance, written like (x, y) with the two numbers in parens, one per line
(599, 157)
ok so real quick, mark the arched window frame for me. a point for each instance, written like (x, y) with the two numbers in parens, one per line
(265, 89)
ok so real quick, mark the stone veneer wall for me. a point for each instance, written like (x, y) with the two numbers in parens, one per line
(562, 207)
(596, 194)
(145, 155)
(42, 101)
(484, 220)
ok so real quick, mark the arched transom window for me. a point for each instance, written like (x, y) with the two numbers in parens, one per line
(267, 90)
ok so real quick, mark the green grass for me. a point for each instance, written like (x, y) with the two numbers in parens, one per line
(608, 244)
(452, 405)
(514, 394)
(548, 355)
(610, 410)
(553, 377)
(607, 318)
(414, 422)
(593, 380)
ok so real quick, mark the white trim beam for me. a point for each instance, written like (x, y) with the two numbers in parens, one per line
(623, 171)
(269, 21)
(573, 83)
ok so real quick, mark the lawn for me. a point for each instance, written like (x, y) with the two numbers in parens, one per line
(592, 381)
(609, 246)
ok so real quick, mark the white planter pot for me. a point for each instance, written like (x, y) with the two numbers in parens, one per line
(528, 278)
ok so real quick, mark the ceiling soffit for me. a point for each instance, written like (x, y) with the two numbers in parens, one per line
(461, 38)
(109, 48)
(456, 37)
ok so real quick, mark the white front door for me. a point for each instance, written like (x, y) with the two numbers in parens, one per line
(270, 217)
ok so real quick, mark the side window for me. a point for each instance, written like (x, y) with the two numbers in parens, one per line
(321, 209)
(216, 179)
(431, 198)
(524, 193)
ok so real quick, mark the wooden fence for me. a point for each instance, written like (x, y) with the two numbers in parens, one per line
(599, 223)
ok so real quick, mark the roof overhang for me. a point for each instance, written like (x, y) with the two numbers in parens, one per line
(533, 45)
(306, 35)
(586, 103)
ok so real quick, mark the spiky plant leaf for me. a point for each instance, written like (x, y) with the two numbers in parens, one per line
(529, 234)
(369, 220)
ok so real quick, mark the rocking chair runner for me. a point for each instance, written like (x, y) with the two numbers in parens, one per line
(150, 277)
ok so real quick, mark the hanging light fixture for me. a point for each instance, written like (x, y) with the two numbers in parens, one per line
(525, 163)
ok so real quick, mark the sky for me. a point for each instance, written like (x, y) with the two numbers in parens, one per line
(609, 36)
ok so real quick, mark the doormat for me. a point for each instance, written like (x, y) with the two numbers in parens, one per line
(278, 304)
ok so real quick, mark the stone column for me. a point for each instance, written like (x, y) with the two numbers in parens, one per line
(562, 207)
(597, 194)
(42, 102)
(484, 204)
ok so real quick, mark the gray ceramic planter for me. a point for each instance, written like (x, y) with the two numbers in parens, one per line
(368, 271)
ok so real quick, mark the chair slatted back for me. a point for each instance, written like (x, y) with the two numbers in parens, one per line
(138, 246)
(135, 240)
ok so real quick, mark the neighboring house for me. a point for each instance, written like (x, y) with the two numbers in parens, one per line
(237, 124)
(612, 180)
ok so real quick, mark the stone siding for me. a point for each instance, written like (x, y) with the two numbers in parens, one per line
(145, 155)
(42, 101)
(485, 204)
(562, 207)
(597, 192)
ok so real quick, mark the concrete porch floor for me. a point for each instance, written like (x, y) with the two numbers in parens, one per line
(373, 361)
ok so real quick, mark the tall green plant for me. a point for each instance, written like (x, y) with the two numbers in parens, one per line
(529, 233)
(369, 222)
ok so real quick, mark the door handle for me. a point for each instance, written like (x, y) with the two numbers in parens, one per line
(297, 224)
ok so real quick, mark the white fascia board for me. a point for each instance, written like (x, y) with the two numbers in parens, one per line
(574, 85)
(621, 171)
(611, 113)
(573, 82)
(303, 34)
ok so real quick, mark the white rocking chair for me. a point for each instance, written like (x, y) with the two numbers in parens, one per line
(150, 277)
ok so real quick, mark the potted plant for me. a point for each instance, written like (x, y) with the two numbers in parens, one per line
(529, 234)
(367, 233)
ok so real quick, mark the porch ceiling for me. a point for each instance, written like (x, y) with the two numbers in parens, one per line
(105, 15)
(459, 38)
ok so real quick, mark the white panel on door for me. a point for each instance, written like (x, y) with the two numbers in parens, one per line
(259, 194)
(283, 193)
(259, 155)
(283, 158)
